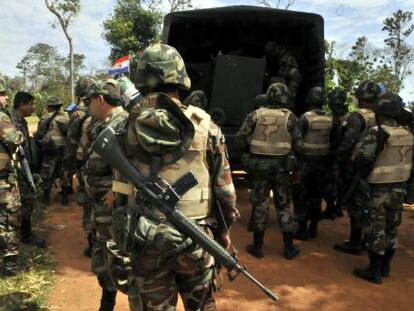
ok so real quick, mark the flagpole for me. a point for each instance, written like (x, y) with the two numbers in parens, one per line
(129, 66)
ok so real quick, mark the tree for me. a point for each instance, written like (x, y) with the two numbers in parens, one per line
(279, 4)
(180, 5)
(66, 11)
(132, 26)
(401, 55)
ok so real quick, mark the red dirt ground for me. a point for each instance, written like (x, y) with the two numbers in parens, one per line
(320, 279)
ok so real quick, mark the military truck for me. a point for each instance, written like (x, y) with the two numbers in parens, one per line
(226, 51)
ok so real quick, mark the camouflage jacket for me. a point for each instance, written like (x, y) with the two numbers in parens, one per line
(351, 135)
(21, 125)
(249, 124)
(10, 136)
(98, 173)
(366, 155)
(73, 136)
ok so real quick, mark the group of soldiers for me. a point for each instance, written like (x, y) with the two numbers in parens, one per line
(359, 161)
(135, 249)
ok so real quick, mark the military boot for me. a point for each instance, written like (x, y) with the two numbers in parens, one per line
(291, 250)
(353, 246)
(257, 248)
(10, 267)
(386, 261)
(27, 236)
(64, 196)
(302, 232)
(313, 229)
(107, 300)
(373, 272)
(46, 197)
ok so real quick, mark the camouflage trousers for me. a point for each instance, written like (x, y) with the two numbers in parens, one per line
(381, 218)
(261, 185)
(27, 196)
(52, 169)
(158, 280)
(9, 217)
(83, 199)
(102, 221)
(356, 203)
(308, 194)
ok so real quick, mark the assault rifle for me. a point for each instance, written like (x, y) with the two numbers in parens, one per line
(166, 197)
(26, 168)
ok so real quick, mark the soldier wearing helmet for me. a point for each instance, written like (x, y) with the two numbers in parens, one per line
(10, 204)
(104, 100)
(315, 126)
(337, 102)
(275, 143)
(167, 138)
(385, 154)
(357, 125)
(77, 151)
(51, 136)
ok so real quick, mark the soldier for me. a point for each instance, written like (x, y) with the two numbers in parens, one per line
(197, 99)
(162, 142)
(9, 198)
(22, 108)
(104, 105)
(78, 144)
(386, 155)
(51, 135)
(275, 144)
(339, 109)
(315, 126)
(358, 123)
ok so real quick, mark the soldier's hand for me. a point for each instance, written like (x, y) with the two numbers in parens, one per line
(224, 240)
(108, 200)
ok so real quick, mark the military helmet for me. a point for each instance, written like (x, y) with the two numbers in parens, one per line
(109, 87)
(54, 102)
(162, 129)
(277, 94)
(389, 105)
(83, 86)
(3, 85)
(198, 99)
(368, 90)
(315, 96)
(161, 64)
(337, 97)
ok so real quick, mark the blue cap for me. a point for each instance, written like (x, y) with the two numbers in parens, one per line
(71, 108)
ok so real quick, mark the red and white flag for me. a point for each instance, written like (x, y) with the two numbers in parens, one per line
(120, 65)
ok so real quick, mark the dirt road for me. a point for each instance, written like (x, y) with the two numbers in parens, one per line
(320, 279)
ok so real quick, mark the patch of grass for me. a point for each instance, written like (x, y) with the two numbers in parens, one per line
(29, 290)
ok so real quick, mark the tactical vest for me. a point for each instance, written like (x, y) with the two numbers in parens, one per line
(55, 133)
(84, 141)
(394, 163)
(317, 138)
(369, 121)
(271, 135)
(196, 203)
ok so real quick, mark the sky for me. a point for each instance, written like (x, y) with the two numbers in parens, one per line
(26, 22)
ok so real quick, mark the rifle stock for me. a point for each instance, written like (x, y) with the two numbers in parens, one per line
(26, 168)
(165, 197)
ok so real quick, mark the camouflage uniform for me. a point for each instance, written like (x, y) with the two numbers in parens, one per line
(9, 192)
(53, 143)
(316, 128)
(271, 170)
(387, 152)
(357, 125)
(162, 272)
(98, 182)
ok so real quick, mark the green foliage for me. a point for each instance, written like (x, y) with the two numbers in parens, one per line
(68, 9)
(47, 73)
(399, 28)
(131, 27)
(180, 5)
